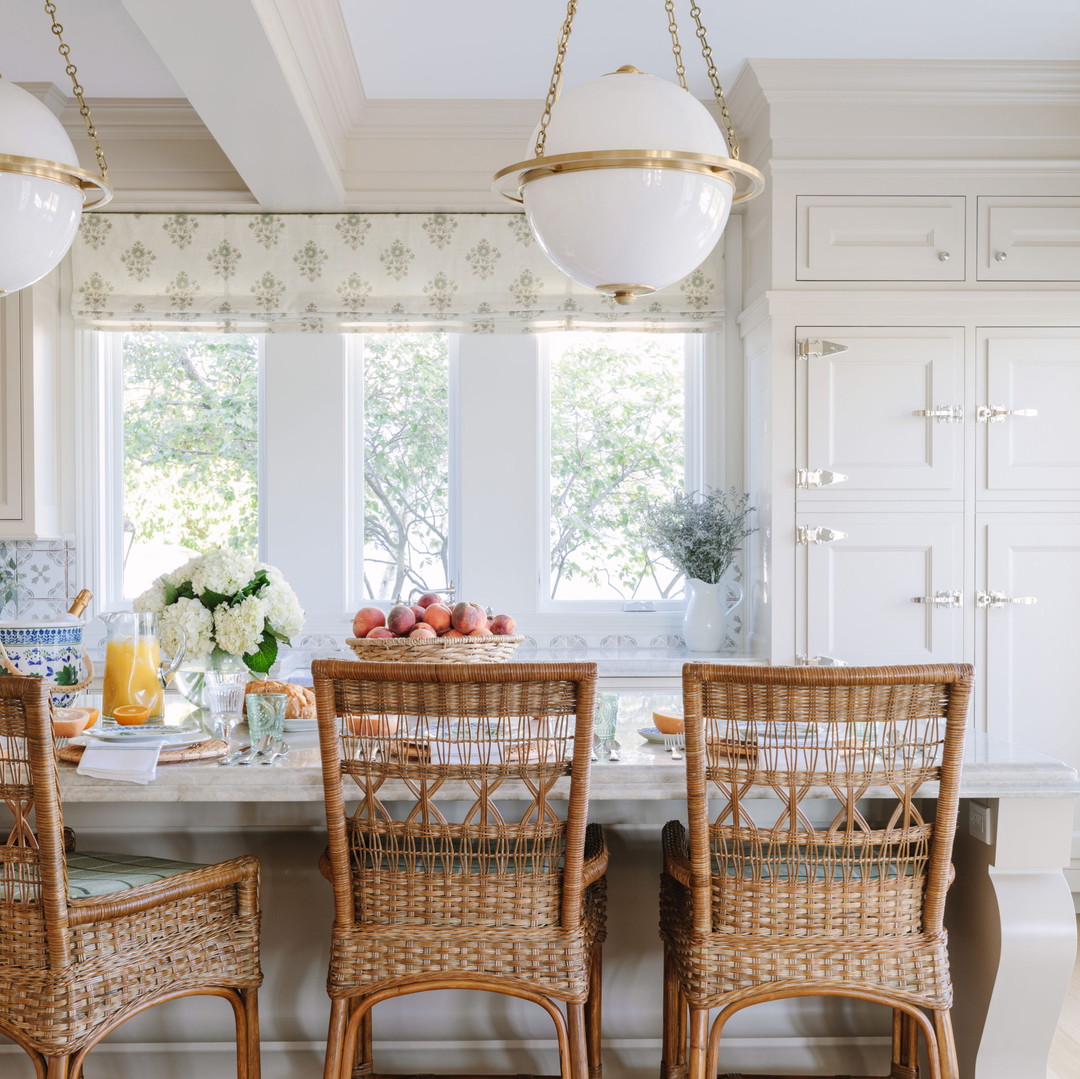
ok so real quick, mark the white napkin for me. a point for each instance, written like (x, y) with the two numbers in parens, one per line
(129, 763)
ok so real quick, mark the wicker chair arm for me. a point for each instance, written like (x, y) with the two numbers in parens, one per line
(243, 873)
(69, 840)
(676, 848)
(596, 854)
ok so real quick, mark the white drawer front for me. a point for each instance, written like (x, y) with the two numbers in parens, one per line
(848, 238)
(1029, 239)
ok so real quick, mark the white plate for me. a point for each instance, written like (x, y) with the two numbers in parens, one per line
(298, 725)
(651, 734)
(146, 732)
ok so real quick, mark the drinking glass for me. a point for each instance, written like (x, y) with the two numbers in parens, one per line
(226, 700)
(266, 718)
(604, 720)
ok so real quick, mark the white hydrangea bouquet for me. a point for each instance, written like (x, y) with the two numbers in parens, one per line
(225, 603)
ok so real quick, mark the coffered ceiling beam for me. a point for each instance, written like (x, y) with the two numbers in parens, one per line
(233, 63)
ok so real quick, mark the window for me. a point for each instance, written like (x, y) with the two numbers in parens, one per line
(189, 449)
(617, 437)
(406, 440)
(370, 466)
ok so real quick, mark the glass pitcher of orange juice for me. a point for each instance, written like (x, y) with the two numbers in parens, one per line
(134, 671)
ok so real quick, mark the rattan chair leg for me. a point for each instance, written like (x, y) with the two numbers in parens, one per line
(950, 1067)
(578, 1047)
(248, 1059)
(59, 1068)
(363, 1065)
(905, 1046)
(673, 1045)
(335, 1039)
(696, 1063)
(593, 1014)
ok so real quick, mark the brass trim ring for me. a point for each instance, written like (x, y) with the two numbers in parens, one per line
(96, 191)
(509, 182)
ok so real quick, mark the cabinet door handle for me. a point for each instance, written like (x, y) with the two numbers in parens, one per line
(997, 413)
(803, 660)
(945, 413)
(1000, 256)
(999, 599)
(944, 256)
(805, 536)
(941, 599)
(818, 477)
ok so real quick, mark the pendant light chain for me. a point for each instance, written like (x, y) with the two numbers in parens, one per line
(77, 90)
(706, 52)
(556, 76)
(676, 48)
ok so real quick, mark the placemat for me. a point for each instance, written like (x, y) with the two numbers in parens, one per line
(200, 751)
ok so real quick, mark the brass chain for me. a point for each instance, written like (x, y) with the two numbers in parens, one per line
(676, 48)
(556, 76)
(706, 52)
(77, 90)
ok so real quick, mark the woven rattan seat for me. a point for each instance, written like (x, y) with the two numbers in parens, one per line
(474, 868)
(844, 901)
(77, 960)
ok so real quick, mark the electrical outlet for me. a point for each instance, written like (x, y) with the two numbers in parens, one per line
(981, 822)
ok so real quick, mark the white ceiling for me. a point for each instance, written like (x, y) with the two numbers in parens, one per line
(300, 103)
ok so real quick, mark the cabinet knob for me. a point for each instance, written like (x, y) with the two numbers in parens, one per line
(944, 256)
(1000, 256)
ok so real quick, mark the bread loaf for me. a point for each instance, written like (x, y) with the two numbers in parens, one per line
(299, 700)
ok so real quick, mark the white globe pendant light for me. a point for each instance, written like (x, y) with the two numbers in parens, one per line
(42, 188)
(632, 182)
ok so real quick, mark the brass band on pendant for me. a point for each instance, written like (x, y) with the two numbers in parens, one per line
(96, 190)
(624, 294)
(509, 182)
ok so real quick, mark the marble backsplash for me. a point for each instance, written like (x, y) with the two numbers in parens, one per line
(36, 578)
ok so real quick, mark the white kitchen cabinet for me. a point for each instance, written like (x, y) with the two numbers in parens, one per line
(883, 587)
(868, 399)
(1029, 239)
(886, 238)
(1029, 402)
(29, 479)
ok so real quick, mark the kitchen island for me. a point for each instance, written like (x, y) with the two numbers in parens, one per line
(1010, 916)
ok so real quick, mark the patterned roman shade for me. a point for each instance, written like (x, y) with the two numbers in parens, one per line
(323, 273)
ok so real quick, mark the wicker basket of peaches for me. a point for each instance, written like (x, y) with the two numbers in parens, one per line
(430, 631)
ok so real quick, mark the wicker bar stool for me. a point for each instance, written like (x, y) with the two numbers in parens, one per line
(89, 940)
(437, 885)
(756, 910)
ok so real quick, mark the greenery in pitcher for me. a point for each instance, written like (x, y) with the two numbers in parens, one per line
(699, 533)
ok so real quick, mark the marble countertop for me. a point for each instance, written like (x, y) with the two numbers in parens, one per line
(645, 771)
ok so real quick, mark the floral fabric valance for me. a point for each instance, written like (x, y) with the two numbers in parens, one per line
(322, 273)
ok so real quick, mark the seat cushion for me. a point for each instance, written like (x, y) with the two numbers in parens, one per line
(94, 873)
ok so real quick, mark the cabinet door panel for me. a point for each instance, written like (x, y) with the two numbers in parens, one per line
(859, 589)
(859, 407)
(861, 238)
(1033, 456)
(1031, 651)
(1029, 239)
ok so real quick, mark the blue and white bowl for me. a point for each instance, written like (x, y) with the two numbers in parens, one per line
(49, 650)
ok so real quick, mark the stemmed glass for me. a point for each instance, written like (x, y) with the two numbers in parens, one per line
(225, 690)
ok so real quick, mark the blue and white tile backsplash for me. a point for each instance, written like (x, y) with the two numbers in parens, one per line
(36, 578)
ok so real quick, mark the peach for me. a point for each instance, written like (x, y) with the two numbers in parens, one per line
(422, 629)
(418, 611)
(467, 617)
(371, 726)
(366, 619)
(502, 625)
(452, 633)
(379, 631)
(438, 616)
(428, 598)
(400, 620)
(485, 632)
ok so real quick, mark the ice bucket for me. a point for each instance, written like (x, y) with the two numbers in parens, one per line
(52, 650)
